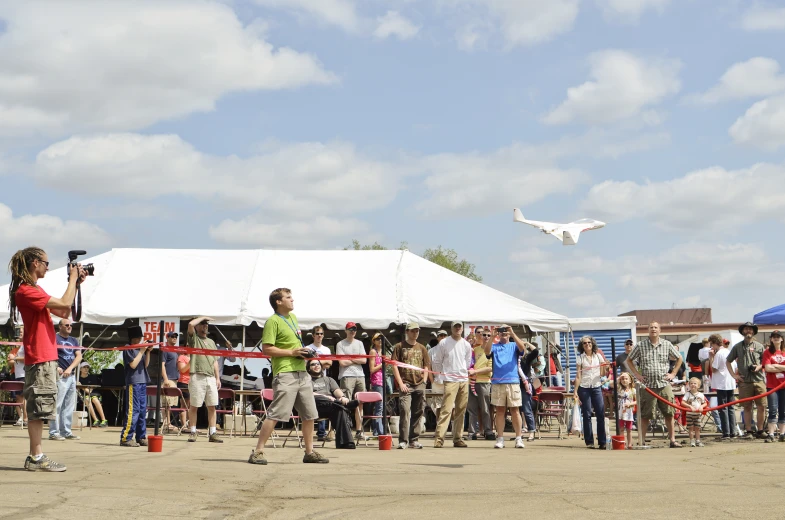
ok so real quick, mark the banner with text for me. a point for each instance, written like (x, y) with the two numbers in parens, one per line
(151, 327)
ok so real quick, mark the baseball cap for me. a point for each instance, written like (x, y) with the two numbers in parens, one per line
(134, 332)
(442, 332)
(350, 325)
(456, 324)
(776, 333)
(375, 336)
(412, 325)
(628, 342)
(171, 334)
(84, 364)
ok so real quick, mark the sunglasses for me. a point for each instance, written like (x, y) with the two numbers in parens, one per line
(486, 335)
(317, 364)
(353, 329)
(586, 343)
(43, 262)
(318, 333)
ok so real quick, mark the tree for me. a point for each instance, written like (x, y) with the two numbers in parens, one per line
(447, 258)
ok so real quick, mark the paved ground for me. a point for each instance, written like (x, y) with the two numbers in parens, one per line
(549, 479)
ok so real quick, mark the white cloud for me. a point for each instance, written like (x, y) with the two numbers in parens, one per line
(120, 65)
(630, 11)
(577, 282)
(622, 86)
(45, 231)
(262, 231)
(681, 204)
(756, 77)
(763, 125)
(341, 13)
(394, 24)
(512, 176)
(764, 18)
(521, 22)
(314, 178)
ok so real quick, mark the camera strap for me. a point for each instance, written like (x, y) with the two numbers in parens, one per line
(294, 328)
(76, 307)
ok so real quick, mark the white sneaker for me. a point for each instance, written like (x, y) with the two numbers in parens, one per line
(519, 443)
(499, 443)
(403, 445)
(692, 444)
(19, 422)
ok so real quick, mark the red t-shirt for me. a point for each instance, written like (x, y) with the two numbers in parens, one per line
(774, 379)
(39, 338)
(185, 377)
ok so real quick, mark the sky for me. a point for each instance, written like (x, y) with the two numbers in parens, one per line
(295, 124)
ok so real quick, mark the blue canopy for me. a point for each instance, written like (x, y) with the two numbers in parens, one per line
(773, 316)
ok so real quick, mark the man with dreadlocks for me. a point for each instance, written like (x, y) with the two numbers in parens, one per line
(27, 266)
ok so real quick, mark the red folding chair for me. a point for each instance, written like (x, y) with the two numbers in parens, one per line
(267, 395)
(11, 386)
(227, 394)
(551, 406)
(363, 398)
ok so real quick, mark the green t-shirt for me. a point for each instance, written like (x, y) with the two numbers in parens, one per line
(280, 332)
(202, 364)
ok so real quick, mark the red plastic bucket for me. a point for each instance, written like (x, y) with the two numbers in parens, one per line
(155, 443)
(618, 442)
(385, 442)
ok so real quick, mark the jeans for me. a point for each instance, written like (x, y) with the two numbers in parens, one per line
(727, 414)
(777, 406)
(591, 398)
(480, 408)
(411, 407)
(526, 410)
(376, 424)
(66, 404)
(321, 429)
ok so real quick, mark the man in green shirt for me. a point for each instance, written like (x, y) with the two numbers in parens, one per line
(748, 355)
(205, 378)
(292, 385)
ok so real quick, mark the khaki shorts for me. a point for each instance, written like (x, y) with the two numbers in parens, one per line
(170, 400)
(649, 403)
(352, 385)
(40, 390)
(506, 395)
(751, 390)
(292, 391)
(203, 390)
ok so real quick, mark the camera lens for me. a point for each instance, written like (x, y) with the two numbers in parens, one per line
(90, 269)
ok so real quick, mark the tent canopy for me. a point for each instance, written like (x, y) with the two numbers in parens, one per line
(372, 288)
(773, 316)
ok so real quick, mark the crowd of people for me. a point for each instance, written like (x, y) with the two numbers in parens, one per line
(479, 379)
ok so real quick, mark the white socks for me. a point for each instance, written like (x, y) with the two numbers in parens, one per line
(212, 430)
(193, 429)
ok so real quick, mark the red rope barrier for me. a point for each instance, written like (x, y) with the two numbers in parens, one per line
(706, 410)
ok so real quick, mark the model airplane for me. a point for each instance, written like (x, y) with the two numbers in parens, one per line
(567, 233)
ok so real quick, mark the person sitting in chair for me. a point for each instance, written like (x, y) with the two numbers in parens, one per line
(332, 404)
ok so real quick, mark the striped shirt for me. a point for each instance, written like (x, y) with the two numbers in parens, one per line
(652, 360)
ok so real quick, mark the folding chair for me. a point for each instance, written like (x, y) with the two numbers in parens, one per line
(169, 392)
(552, 406)
(11, 386)
(267, 395)
(228, 394)
(367, 397)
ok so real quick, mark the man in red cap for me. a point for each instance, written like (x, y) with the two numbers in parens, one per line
(350, 374)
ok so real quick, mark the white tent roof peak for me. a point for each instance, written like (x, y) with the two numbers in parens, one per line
(372, 288)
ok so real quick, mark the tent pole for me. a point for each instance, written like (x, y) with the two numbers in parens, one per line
(158, 379)
(242, 380)
(567, 358)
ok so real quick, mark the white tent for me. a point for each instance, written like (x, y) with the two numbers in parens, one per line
(731, 335)
(372, 288)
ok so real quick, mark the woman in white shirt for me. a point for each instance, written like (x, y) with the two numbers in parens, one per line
(723, 382)
(588, 390)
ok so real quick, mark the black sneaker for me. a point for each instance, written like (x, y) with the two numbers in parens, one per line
(315, 458)
(770, 438)
(490, 437)
(215, 438)
(43, 464)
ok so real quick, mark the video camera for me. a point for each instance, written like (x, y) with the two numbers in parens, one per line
(72, 255)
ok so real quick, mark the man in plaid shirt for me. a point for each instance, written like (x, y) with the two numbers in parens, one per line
(652, 356)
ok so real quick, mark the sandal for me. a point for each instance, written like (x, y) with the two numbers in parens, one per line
(675, 444)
